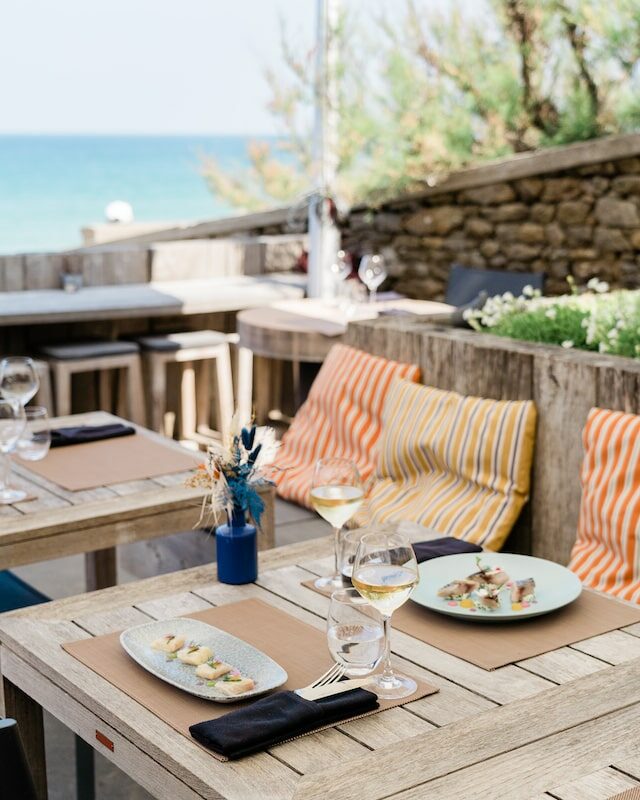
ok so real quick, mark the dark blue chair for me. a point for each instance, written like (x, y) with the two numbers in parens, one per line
(16, 593)
(465, 284)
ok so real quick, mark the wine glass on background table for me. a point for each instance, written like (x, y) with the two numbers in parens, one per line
(18, 379)
(385, 572)
(35, 441)
(12, 425)
(340, 270)
(372, 272)
(336, 494)
(355, 633)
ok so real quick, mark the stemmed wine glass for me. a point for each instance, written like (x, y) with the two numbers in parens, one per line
(385, 572)
(341, 269)
(18, 379)
(12, 424)
(372, 272)
(336, 494)
(355, 633)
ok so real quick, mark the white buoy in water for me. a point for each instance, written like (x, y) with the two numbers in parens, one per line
(119, 211)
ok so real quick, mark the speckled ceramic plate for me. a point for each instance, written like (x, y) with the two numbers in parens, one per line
(251, 662)
(556, 586)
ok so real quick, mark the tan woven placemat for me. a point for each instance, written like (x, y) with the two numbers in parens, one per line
(628, 794)
(495, 644)
(127, 458)
(296, 646)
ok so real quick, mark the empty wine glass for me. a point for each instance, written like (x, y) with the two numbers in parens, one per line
(372, 272)
(35, 441)
(340, 270)
(12, 423)
(18, 379)
(385, 573)
(355, 633)
(336, 494)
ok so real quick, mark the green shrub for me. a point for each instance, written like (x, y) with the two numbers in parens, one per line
(598, 320)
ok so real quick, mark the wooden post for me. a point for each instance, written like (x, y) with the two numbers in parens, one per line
(101, 569)
(28, 715)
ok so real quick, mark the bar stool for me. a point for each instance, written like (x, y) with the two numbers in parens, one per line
(187, 349)
(66, 360)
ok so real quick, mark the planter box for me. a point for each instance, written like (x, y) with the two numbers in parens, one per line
(564, 384)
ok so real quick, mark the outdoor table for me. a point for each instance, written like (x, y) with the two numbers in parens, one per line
(566, 722)
(93, 522)
(146, 300)
(303, 331)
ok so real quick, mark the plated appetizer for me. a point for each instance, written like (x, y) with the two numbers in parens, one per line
(213, 670)
(482, 590)
(169, 643)
(234, 684)
(194, 654)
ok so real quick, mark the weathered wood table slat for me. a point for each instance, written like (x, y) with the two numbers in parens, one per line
(563, 725)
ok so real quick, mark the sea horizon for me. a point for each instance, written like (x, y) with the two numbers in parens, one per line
(53, 184)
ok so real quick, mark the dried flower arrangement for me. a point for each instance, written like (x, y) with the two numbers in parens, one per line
(233, 472)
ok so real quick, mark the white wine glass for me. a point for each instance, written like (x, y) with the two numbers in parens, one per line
(340, 270)
(35, 441)
(336, 494)
(355, 633)
(12, 424)
(385, 572)
(18, 379)
(372, 272)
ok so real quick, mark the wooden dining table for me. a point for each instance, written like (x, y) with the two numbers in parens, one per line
(55, 522)
(564, 724)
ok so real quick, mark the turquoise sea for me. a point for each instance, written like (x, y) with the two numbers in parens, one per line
(51, 186)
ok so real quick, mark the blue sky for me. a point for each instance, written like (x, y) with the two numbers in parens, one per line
(141, 66)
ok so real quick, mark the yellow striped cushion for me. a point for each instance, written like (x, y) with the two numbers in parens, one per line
(460, 465)
(606, 555)
(341, 418)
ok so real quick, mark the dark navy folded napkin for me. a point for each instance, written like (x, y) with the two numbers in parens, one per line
(82, 434)
(278, 718)
(446, 546)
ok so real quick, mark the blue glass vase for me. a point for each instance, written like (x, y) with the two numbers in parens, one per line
(237, 550)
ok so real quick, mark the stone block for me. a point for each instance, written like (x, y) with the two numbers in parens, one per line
(617, 213)
(628, 166)
(585, 269)
(578, 234)
(529, 188)
(635, 239)
(610, 240)
(626, 184)
(489, 248)
(556, 189)
(584, 254)
(507, 232)
(478, 228)
(509, 212)
(387, 222)
(439, 221)
(530, 233)
(491, 195)
(573, 212)
(521, 252)
(554, 234)
(542, 212)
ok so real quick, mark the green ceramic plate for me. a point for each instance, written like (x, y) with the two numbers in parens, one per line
(556, 586)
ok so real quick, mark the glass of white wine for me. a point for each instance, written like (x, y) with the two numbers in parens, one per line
(336, 494)
(385, 572)
(355, 633)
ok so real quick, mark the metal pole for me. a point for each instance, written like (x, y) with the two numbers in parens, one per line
(324, 237)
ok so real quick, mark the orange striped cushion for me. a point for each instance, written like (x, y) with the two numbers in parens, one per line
(341, 418)
(460, 465)
(606, 553)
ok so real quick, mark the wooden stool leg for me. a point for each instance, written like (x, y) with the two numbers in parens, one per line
(244, 391)
(203, 397)
(135, 392)
(157, 391)
(28, 714)
(45, 392)
(104, 389)
(62, 384)
(225, 391)
(187, 401)
(262, 389)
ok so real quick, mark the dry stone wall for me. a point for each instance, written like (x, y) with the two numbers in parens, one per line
(583, 221)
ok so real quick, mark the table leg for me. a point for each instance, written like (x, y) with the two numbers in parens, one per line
(85, 775)
(100, 569)
(28, 714)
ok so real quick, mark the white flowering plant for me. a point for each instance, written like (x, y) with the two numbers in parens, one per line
(593, 318)
(233, 472)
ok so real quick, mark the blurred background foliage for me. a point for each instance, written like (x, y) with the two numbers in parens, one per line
(424, 92)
